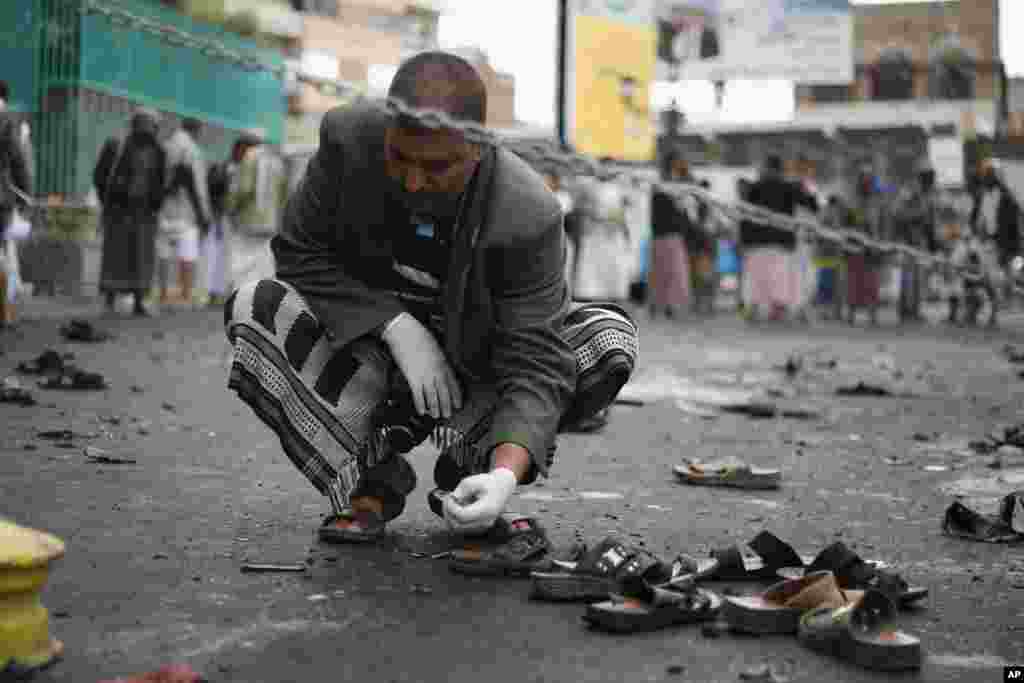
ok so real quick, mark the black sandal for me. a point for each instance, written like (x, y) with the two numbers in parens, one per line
(602, 571)
(642, 607)
(961, 521)
(48, 362)
(83, 331)
(853, 573)
(730, 564)
(515, 546)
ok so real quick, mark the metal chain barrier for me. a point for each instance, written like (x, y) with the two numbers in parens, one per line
(544, 156)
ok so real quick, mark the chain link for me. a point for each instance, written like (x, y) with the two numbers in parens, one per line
(540, 155)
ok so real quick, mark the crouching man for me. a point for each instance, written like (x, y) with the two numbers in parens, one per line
(420, 292)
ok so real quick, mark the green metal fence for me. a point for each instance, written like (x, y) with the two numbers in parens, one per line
(80, 74)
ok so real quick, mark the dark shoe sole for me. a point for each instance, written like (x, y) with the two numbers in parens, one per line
(337, 536)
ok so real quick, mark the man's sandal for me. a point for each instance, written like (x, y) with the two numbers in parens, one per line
(350, 526)
(643, 607)
(515, 546)
(862, 633)
(601, 571)
(779, 609)
(852, 572)
(732, 564)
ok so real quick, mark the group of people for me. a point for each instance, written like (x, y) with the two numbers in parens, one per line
(163, 206)
(674, 248)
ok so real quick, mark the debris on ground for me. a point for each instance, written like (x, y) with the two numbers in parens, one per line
(65, 435)
(100, 456)
(763, 674)
(793, 365)
(1010, 438)
(863, 389)
(754, 409)
(697, 410)
(675, 669)
(12, 392)
(81, 330)
(1013, 354)
(175, 673)
(74, 378)
(250, 567)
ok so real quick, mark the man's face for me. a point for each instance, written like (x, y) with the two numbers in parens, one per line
(430, 168)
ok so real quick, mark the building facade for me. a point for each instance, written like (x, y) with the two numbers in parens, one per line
(927, 74)
(363, 42)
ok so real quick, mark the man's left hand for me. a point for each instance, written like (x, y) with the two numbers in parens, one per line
(477, 502)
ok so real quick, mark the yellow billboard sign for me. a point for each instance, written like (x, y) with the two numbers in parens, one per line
(609, 78)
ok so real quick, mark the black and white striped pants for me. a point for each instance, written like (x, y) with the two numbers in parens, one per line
(336, 411)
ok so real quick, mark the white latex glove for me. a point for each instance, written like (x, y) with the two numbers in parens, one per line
(435, 389)
(477, 502)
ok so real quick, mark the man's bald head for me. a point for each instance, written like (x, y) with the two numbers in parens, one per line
(443, 81)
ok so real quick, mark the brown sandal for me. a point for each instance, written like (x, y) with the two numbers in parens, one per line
(350, 526)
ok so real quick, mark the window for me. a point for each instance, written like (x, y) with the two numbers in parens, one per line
(829, 93)
(951, 70)
(892, 76)
(324, 8)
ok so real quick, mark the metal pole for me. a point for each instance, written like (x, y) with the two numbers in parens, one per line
(562, 64)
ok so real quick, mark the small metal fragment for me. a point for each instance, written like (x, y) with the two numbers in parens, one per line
(441, 555)
(256, 567)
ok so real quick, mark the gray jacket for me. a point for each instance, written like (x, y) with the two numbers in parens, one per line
(505, 297)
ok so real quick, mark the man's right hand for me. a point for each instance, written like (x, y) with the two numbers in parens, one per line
(435, 388)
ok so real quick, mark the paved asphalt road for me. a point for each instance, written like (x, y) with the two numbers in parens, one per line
(152, 573)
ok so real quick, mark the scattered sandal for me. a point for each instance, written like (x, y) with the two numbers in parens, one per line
(350, 526)
(17, 395)
(516, 546)
(852, 572)
(643, 607)
(730, 473)
(83, 331)
(778, 610)
(731, 564)
(601, 571)
(861, 632)
(1007, 526)
(73, 378)
(49, 361)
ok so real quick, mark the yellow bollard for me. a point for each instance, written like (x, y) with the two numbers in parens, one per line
(25, 557)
